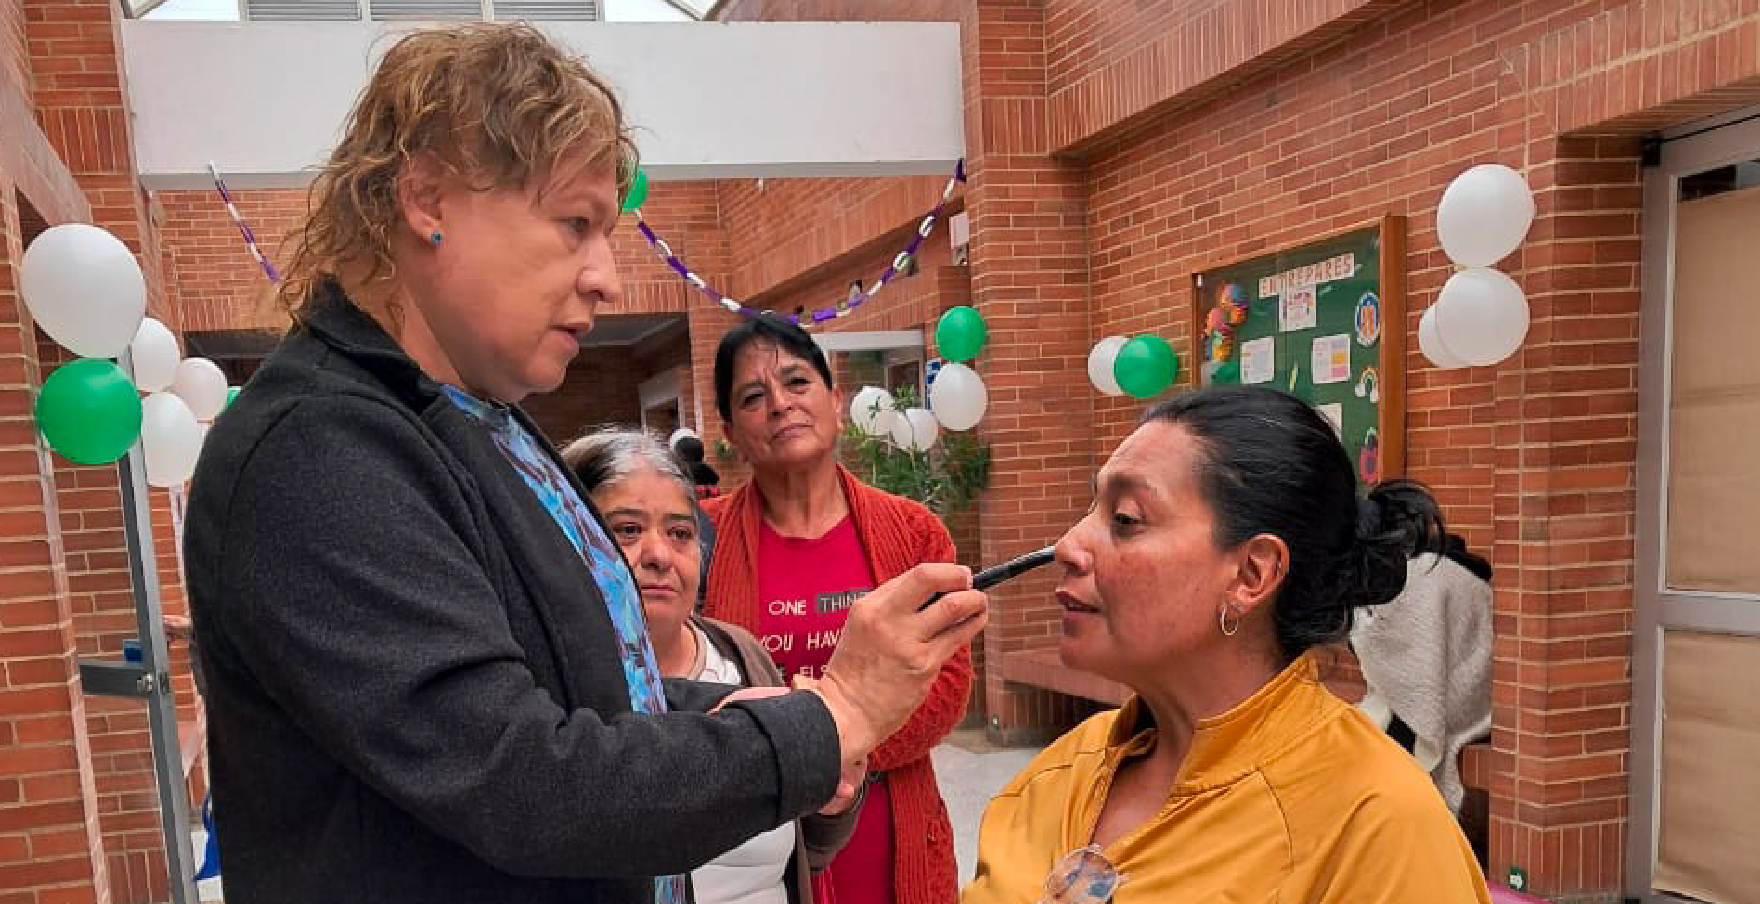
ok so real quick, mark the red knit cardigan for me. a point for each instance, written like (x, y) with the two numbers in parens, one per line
(896, 534)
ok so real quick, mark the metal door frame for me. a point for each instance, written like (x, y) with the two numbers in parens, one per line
(1684, 152)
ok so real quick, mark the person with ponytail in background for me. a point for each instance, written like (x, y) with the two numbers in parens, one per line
(1227, 538)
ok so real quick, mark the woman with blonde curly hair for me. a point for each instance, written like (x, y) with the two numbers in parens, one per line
(429, 676)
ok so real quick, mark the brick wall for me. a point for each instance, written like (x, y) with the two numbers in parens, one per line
(80, 105)
(1112, 64)
(1533, 460)
(1029, 271)
(221, 287)
(601, 389)
(1117, 148)
(788, 228)
(50, 848)
(217, 283)
(1565, 510)
(14, 52)
(50, 844)
(907, 302)
(1287, 160)
(792, 227)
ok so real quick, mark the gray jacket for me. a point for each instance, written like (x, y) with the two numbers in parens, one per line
(414, 689)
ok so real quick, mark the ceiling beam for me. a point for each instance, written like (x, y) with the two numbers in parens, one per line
(264, 100)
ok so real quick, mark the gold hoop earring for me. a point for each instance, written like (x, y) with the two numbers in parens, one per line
(1229, 627)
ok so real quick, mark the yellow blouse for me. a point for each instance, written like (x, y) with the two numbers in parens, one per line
(1291, 797)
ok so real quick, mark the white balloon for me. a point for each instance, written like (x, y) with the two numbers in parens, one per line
(153, 355)
(1481, 316)
(1431, 344)
(202, 385)
(958, 397)
(1100, 362)
(171, 439)
(1484, 215)
(884, 421)
(680, 433)
(915, 430)
(84, 288)
(867, 408)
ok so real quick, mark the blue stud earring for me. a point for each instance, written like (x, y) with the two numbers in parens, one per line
(436, 238)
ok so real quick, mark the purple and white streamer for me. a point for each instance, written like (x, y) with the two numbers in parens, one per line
(250, 238)
(844, 307)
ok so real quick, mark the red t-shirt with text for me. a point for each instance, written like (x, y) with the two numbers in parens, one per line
(806, 587)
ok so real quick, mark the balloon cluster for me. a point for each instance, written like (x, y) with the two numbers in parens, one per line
(1141, 367)
(1481, 315)
(957, 397)
(83, 287)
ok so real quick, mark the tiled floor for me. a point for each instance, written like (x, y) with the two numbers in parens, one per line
(971, 772)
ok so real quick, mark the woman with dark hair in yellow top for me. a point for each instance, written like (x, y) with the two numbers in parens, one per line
(1227, 538)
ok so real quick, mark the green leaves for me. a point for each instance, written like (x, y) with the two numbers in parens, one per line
(947, 478)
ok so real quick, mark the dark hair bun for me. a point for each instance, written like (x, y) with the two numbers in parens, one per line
(1397, 520)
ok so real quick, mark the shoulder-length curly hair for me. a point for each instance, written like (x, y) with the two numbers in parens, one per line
(500, 105)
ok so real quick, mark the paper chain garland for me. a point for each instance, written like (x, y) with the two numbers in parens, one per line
(844, 307)
(250, 238)
(810, 319)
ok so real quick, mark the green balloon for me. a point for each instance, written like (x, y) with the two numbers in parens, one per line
(89, 411)
(638, 191)
(961, 334)
(231, 393)
(1145, 366)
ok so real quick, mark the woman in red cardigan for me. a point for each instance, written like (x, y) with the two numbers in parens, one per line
(794, 546)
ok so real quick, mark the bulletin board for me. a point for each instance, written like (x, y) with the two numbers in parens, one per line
(1324, 322)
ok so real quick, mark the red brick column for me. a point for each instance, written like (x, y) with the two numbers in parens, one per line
(50, 848)
(81, 104)
(1564, 503)
(1029, 270)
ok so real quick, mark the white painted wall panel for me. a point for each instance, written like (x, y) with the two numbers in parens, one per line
(264, 100)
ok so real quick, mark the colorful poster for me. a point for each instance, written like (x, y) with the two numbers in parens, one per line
(1259, 360)
(1369, 458)
(1368, 319)
(1296, 309)
(1332, 359)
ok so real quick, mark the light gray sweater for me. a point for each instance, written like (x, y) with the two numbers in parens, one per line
(1426, 656)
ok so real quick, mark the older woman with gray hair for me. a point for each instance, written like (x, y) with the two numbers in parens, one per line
(650, 506)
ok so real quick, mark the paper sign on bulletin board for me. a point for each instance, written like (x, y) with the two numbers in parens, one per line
(1324, 322)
